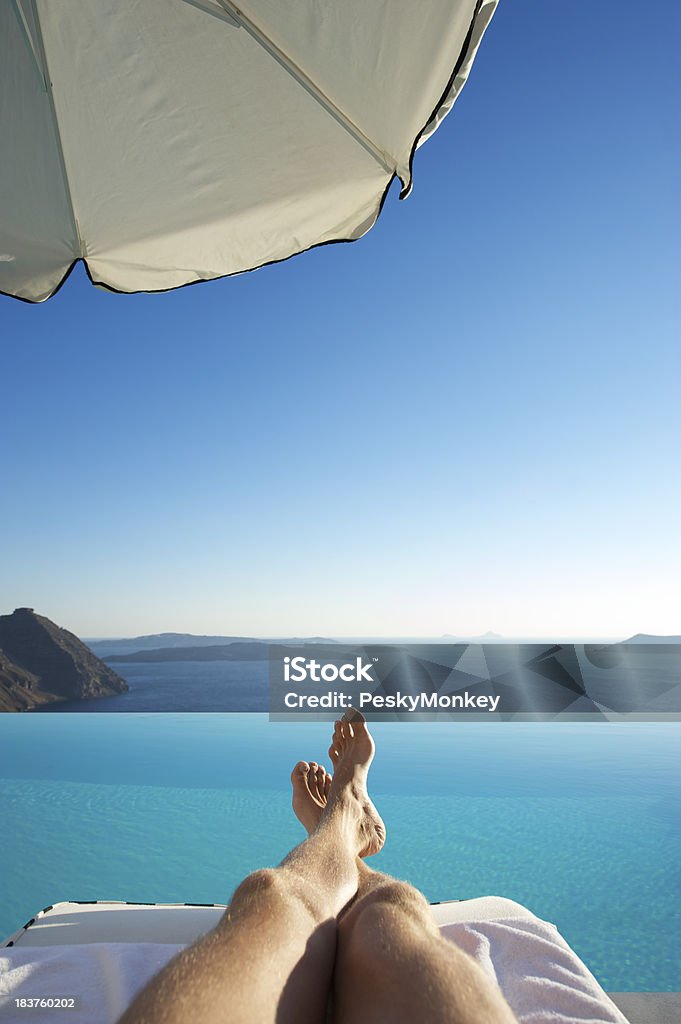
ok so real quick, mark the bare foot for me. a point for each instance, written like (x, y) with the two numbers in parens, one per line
(351, 752)
(311, 784)
(345, 796)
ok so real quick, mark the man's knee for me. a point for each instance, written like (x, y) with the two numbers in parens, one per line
(391, 906)
(262, 884)
(280, 891)
(393, 895)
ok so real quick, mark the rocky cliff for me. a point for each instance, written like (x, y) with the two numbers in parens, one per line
(40, 662)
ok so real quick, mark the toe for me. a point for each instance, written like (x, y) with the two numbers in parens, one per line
(327, 784)
(299, 772)
(355, 722)
(334, 755)
(359, 723)
(312, 780)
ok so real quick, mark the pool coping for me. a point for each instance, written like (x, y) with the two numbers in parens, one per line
(649, 1007)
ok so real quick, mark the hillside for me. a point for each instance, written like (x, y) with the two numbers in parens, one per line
(41, 662)
(17, 687)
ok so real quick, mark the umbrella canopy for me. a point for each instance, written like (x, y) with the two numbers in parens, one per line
(165, 142)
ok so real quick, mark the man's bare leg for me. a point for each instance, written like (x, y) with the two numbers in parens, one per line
(392, 965)
(271, 957)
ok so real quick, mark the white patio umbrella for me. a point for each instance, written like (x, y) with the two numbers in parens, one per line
(165, 142)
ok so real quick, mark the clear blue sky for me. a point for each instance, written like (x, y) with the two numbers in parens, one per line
(467, 420)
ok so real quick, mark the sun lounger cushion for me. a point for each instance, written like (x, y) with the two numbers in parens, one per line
(544, 981)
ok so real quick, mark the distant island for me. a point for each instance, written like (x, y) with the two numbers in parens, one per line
(651, 638)
(175, 647)
(40, 663)
(239, 650)
(484, 638)
(173, 641)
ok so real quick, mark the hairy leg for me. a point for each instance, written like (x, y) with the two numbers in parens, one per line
(271, 957)
(393, 966)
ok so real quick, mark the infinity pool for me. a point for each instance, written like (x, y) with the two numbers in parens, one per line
(581, 822)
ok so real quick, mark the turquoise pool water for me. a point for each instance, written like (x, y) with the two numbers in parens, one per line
(580, 822)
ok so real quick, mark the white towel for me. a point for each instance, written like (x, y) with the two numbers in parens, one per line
(543, 980)
(103, 977)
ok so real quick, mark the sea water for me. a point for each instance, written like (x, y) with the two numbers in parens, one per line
(580, 822)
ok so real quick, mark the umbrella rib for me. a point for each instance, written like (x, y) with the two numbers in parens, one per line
(23, 24)
(216, 12)
(82, 250)
(385, 159)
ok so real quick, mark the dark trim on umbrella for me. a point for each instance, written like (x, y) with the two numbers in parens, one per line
(406, 185)
(38, 302)
(248, 270)
(200, 280)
